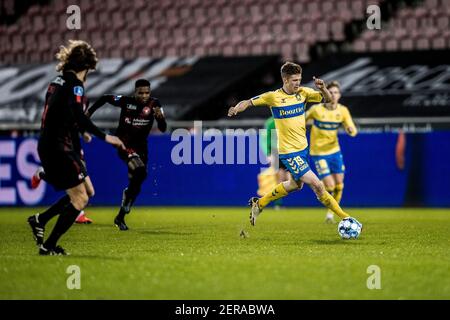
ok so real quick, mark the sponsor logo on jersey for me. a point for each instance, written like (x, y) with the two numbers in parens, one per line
(140, 122)
(78, 91)
(282, 112)
(327, 125)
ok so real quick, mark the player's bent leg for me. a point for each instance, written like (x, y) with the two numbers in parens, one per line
(339, 189)
(78, 196)
(89, 187)
(282, 175)
(138, 177)
(328, 182)
(330, 186)
(322, 195)
(82, 218)
(38, 221)
(297, 165)
(78, 200)
(137, 173)
(279, 191)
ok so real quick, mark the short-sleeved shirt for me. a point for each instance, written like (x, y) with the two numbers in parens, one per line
(288, 111)
(324, 139)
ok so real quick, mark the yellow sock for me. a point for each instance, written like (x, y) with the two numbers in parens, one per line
(328, 201)
(276, 193)
(330, 190)
(337, 194)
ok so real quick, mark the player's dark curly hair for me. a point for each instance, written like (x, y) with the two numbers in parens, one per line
(141, 83)
(290, 68)
(77, 56)
(334, 84)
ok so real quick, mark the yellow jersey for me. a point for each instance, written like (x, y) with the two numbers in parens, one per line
(288, 111)
(324, 139)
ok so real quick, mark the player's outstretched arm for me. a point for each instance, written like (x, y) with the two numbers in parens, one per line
(349, 125)
(116, 142)
(320, 84)
(84, 123)
(240, 107)
(107, 98)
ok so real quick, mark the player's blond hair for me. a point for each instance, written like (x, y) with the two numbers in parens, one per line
(78, 55)
(334, 84)
(289, 69)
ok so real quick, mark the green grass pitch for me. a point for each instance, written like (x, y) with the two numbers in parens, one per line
(197, 253)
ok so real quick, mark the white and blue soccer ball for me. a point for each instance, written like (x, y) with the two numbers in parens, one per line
(349, 228)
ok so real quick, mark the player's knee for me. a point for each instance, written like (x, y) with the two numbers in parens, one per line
(84, 200)
(77, 205)
(80, 201)
(290, 185)
(318, 187)
(330, 187)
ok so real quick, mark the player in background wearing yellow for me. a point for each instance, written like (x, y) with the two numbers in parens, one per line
(288, 109)
(325, 151)
(273, 175)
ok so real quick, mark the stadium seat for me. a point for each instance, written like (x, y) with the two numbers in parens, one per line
(171, 27)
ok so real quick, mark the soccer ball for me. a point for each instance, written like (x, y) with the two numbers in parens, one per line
(349, 228)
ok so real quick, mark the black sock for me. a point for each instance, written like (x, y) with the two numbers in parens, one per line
(65, 221)
(54, 210)
(121, 214)
(134, 188)
(132, 191)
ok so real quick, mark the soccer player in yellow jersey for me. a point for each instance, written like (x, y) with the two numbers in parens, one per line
(288, 109)
(325, 151)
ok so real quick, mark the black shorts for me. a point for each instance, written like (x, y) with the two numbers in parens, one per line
(63, 169)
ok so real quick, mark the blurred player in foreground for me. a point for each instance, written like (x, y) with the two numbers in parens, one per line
(59, 145)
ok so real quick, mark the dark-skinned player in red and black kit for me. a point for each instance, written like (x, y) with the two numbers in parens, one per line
(137, 115)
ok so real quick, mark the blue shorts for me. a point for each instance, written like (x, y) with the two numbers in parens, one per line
(296, 163)
(329, 164)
